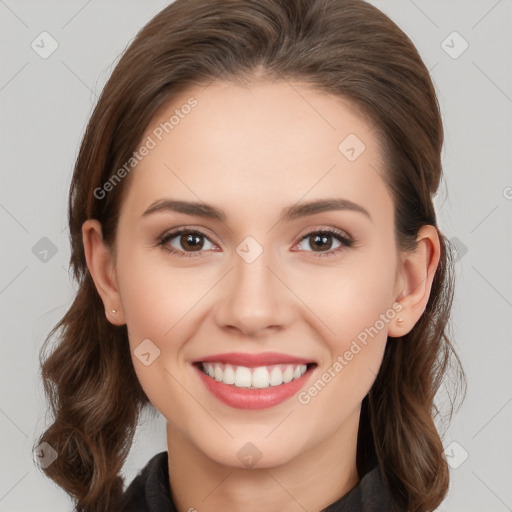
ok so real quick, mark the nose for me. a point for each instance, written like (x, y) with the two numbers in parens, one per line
(255, 298)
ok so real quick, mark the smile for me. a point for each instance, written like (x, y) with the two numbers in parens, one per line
(253, 381)
(260, 377)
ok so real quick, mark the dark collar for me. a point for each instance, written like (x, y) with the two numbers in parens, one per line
(150, 492)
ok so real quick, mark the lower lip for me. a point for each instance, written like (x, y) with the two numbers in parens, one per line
(253, 399)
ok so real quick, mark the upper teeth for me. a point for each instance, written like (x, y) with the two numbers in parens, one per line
(260, 377)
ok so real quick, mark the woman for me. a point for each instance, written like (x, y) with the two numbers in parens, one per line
(258, 259)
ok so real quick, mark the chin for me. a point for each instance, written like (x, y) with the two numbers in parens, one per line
(253, 451)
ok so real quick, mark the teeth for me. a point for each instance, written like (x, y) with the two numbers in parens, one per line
(288, 374)
(229, 375)
(260, 378)
(254, 378)
(242, 376)
(276, 377)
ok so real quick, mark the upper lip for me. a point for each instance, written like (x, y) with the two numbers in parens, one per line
(253, 360)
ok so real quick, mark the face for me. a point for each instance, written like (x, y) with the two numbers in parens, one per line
(258, 285)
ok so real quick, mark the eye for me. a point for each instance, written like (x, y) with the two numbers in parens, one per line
(321, 242)
(185, 242)
(189, 242)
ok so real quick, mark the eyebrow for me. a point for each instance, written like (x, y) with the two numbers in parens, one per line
(290, 213)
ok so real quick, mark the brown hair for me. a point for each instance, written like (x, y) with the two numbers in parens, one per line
(346, 48)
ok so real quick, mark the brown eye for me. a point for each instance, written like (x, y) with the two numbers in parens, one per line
(192, 241)
(320, 241)
(325, 242)
(186, 241)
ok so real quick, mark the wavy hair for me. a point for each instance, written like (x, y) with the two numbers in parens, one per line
(346, 48)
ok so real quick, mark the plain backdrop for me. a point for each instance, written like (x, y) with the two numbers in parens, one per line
(46, 103)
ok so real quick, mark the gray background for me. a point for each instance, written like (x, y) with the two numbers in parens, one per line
(45, 106)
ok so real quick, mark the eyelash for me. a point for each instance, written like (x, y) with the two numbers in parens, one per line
(339, 235)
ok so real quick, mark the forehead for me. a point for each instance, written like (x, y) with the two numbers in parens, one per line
(253, 146)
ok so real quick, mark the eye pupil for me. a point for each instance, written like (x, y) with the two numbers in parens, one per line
(321, 239)
(192, 241)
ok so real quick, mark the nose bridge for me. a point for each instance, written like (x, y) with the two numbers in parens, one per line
(254, 297)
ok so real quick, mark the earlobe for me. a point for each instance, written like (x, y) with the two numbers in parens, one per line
(418, 270)
(100, 262)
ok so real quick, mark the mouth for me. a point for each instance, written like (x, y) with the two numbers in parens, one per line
(254, 377)
(253, 381)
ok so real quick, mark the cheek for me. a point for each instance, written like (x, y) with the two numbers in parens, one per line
(165, 305)
(350, 297)
(352, 306)
(157, 298)
(357, 310)
(158, 303)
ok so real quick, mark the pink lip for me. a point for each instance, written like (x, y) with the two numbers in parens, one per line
(253, 399)
(253, 360)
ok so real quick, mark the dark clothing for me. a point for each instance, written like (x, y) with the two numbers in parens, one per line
(150, 492)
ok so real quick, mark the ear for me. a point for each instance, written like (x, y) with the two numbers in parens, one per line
(415, 278)
(101, 264)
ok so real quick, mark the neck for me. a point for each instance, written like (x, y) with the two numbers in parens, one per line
(313, 480)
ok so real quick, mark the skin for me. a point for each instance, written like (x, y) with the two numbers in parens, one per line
(252, 151)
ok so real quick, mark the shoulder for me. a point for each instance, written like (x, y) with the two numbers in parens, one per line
(149, 491)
